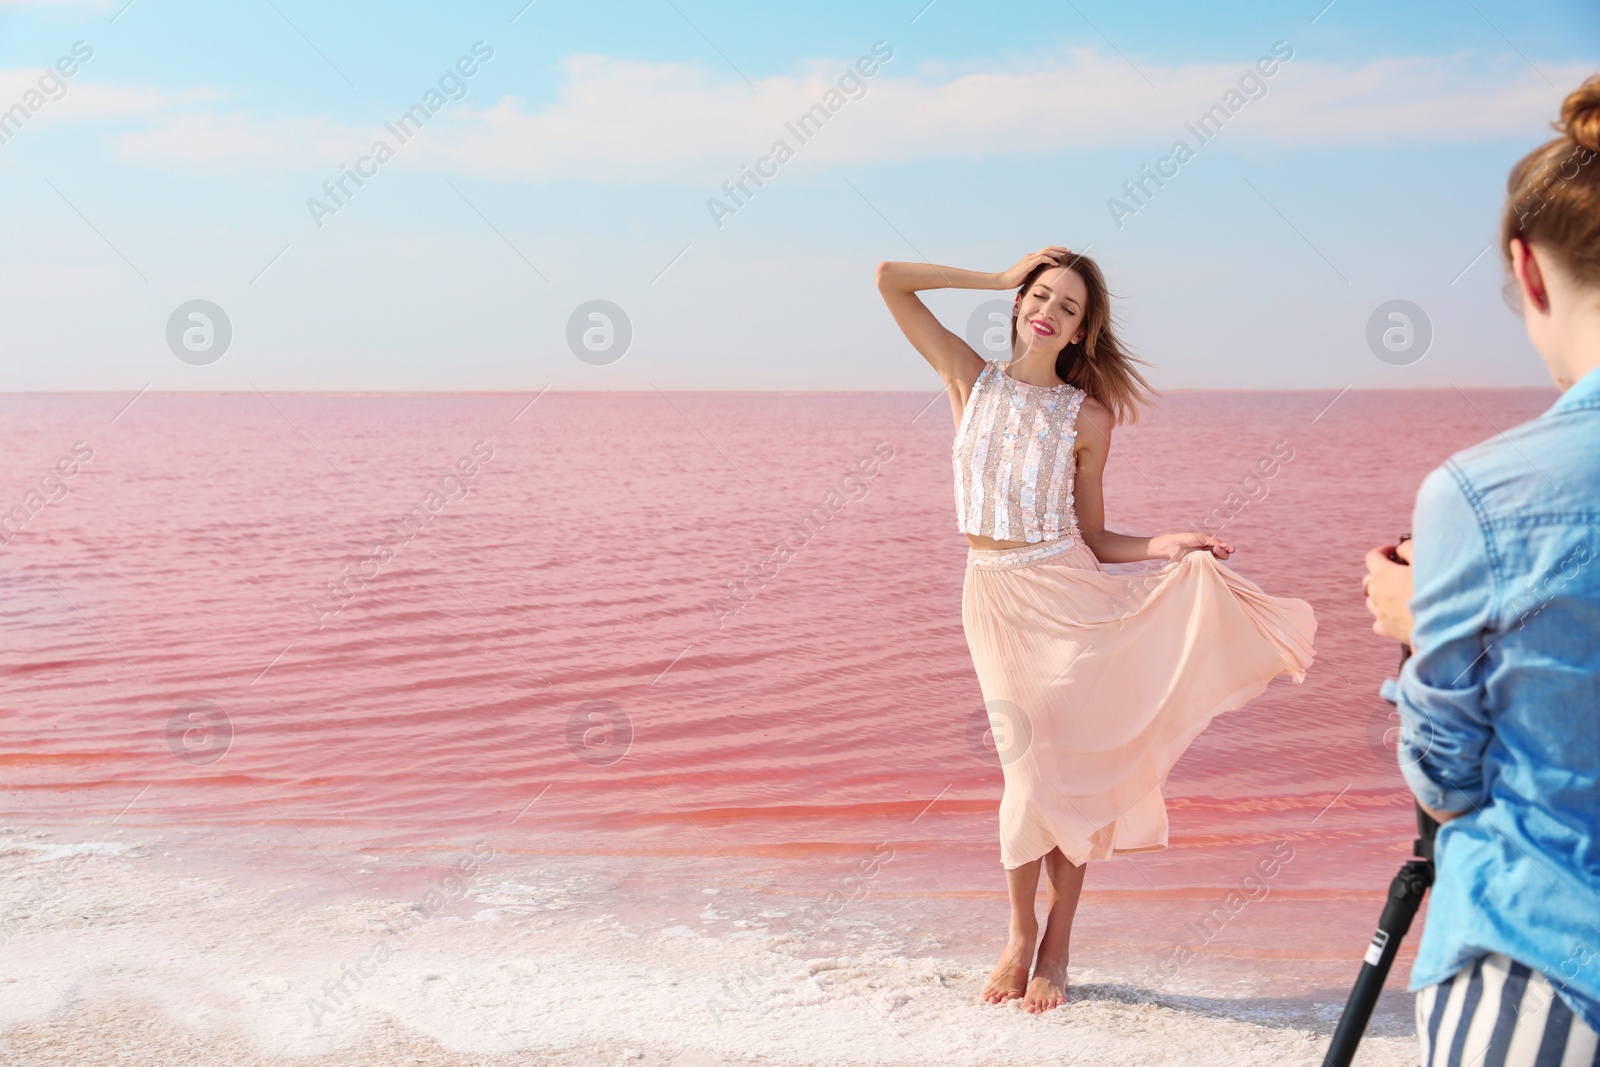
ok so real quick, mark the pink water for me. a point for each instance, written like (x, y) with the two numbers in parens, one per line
(765, 752)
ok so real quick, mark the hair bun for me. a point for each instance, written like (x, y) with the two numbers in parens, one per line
(1580, 114)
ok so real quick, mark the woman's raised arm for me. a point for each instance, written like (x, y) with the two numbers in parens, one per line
(946, 352)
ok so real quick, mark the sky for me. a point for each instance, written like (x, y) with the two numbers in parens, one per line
(226, 198)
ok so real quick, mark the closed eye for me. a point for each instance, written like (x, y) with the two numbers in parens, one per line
(1066, 305)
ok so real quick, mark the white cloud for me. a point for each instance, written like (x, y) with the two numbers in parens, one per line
(620, 120)
(77, 98)
(625, 120)
(222, 140)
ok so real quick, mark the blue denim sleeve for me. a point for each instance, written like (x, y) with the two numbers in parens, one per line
(1444, 726)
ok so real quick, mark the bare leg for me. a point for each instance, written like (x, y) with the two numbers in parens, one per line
(1010, 977)
(1048, 989)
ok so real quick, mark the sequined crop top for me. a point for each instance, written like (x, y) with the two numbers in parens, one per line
(1013, 459)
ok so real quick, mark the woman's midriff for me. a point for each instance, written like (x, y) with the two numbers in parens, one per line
(978, 541)
(1069, 550)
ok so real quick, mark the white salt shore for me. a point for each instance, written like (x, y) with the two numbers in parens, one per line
(110, 958)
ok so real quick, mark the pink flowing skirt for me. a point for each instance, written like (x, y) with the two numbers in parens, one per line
(1096, 680)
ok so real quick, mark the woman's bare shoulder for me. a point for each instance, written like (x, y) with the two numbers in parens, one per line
(968, 368)
(1094, 426)
(1092, 411)
(961, 384)
(1092, 407)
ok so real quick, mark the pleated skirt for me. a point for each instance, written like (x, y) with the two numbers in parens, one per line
(1097, 679)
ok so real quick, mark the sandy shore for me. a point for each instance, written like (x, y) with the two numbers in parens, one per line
(112, 959)
(137, 1034)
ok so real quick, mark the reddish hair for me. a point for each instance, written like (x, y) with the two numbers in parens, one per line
(1553, 193)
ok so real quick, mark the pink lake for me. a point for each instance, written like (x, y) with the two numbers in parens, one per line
(548, 661)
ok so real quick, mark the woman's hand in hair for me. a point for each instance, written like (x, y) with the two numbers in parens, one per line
(1054, 254)
(1178, 545)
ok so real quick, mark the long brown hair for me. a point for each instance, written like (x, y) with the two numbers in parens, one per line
(1553, 193)
(1099, 364)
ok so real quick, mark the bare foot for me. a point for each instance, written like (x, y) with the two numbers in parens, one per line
(1010, 975)
(1047, 990)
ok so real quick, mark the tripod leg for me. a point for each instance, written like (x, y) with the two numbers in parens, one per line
(1405, 897)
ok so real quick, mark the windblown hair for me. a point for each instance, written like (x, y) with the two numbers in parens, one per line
(1553, 193)
(1099, 364)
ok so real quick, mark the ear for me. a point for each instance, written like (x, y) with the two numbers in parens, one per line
(1530, 279)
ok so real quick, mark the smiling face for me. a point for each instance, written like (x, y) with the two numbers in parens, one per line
(1050, 311)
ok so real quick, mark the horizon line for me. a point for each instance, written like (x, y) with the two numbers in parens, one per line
(769, 392)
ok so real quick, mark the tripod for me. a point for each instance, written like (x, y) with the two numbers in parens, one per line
(1405, 897)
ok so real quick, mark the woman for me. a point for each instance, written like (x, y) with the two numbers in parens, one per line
(1500, 701)
(1095, 681)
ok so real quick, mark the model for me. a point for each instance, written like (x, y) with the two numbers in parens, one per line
(1095, 682)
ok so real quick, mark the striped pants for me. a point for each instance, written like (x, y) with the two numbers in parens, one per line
(1500, 1013)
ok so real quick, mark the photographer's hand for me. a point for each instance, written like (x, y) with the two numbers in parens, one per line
(1440, 817)
(1388, 589)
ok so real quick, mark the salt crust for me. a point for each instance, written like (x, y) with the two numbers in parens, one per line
(114, 963)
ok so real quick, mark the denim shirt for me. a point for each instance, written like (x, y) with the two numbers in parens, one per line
(1499, 703)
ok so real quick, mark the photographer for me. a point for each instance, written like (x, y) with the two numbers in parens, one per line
(1500, 701)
